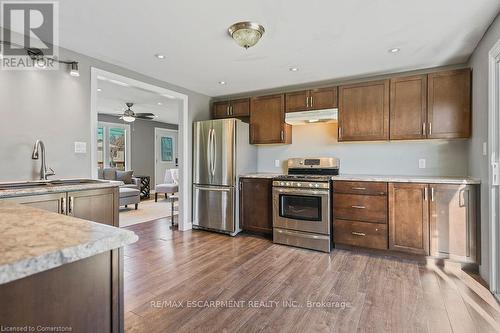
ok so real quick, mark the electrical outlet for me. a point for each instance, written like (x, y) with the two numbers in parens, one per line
(80, 147)
(421, 163)
(277, 163)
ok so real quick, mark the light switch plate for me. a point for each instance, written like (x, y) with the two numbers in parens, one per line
(277, 163)
(80, 147)
(421, 163)
(485, 149)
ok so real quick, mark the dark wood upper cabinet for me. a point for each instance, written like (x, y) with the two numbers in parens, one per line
(409, 218)
(453, 226)
(297, 101)
(267, 120)
(315, 99)
(364, 111)
(449, 104)
(256, 211)
(231, 109)
(408, 108)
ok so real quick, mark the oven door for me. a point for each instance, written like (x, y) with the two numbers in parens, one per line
(302, 209)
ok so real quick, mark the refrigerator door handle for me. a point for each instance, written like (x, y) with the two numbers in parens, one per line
(214, 152)
(209, 152)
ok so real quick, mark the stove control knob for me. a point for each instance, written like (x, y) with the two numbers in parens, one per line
(310, 185)
(316, 185)
(281, 183)
(299, 184)
(287, 184)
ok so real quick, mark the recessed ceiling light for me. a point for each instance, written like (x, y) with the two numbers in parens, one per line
(160, 56)
(159, 103)
(394, 50)
(99, 89)
(222, 82)
(293, 69)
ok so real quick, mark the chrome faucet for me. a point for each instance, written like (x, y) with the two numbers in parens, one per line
(44, 171)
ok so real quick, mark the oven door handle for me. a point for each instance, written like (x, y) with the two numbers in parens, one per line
(309, 192)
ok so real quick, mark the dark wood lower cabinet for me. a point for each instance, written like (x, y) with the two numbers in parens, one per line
(256, 211)
(409, 218)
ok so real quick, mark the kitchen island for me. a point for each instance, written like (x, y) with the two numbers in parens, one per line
(59, 272)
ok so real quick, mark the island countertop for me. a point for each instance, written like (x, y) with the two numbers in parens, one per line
(35, 240)
(409, 179)
(53, 187)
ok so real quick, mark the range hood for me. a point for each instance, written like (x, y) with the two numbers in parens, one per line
(312, 117)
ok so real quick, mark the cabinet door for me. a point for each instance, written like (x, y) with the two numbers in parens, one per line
(453, 222)
(267, 120)
(220, 109)
(54, 202)
(297, 101)
(256, 212)
(449, 104)
(240, 108)
(323, 98)
(408, 107)
(95, 205)
(364, 111)
(409, 218)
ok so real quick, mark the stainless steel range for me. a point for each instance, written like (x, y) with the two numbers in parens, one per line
(302, 212)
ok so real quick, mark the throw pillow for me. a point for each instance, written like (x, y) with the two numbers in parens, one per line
(124, 176)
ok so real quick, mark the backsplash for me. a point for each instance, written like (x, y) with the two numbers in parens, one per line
(442, 157)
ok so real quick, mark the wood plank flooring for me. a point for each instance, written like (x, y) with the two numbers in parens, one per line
(199, 281)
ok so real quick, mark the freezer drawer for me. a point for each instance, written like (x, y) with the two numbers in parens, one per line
(214, 207)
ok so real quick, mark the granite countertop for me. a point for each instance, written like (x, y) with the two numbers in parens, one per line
(409, 179)
(54, 188)
(261, 175)
(35, 240)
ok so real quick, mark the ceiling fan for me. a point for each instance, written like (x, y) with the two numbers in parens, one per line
(130, 116)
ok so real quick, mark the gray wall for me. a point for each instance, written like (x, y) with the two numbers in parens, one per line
(55, 107)
(142, 143)
(399, 158)
(478, 164)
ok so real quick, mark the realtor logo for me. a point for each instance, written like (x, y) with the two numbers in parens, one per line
(29, 35)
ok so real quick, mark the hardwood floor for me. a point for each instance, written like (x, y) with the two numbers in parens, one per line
(167, 272)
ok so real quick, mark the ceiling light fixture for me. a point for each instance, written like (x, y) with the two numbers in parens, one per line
(222, 82)
(160, 56)
(246, 34)
(74, 69)
(293, 69)
(99, 89)
(159, 103)
(394, 50)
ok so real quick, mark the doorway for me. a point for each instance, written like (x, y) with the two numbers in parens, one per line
(98, 76)
(166, 153)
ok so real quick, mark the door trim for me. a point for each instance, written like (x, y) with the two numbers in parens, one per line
(494, 153)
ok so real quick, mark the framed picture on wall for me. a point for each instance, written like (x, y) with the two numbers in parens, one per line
(167, 153)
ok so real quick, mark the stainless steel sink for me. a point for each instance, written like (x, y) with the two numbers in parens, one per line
(44, 183)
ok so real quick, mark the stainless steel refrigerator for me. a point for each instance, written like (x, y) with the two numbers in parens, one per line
(221, 153)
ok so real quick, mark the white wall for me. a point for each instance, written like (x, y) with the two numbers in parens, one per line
(478, 164)
(395, 157)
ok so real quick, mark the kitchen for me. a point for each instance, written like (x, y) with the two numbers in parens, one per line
(336, 175)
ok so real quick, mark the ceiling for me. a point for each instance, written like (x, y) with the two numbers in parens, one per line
(325, 39)
(114, 94)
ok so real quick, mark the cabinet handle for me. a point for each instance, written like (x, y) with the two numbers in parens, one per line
(340, 132)
(227, 110)
(231, 110)
(430, 128)
(282, 135)
(311, 104)
(307, 102)
(358, 207)
(425, 193)
(355, 233)
(70, 208)
(359, 188)
(63, 205)
(423, 128)
(432, 193)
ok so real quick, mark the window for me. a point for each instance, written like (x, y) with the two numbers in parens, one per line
(113, 146)
(167, 151)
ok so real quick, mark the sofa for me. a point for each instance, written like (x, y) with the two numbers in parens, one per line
(130, 193)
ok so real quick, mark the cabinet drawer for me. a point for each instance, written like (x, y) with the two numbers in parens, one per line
(370, 188)
(370, 235)
(369, 208)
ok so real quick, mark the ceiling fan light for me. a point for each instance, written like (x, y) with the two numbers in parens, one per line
(128, 119)
(246, 34)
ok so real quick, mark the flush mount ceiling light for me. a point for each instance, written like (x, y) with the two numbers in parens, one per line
(160, 56)
(159, 103)
(222, 82)
(246, 34)
(99, 89)
(293, 69)
(394, 50)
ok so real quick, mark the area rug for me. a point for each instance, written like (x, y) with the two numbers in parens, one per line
(148, 210)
